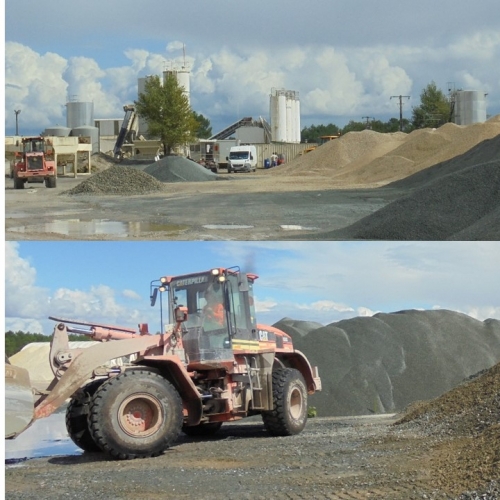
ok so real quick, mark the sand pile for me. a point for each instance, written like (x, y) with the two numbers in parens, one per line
(179, 169)
(368, 158)
(470, 415)
(383, 363)
(334, 157)
(118, 180)
(456, 199)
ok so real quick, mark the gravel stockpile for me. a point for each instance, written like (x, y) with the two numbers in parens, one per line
(118, 180)
(179, 169)
(470, 415)
(383, 363)
(372, 158)
(440, 210)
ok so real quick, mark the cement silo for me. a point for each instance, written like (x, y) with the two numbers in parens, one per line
(285, 116)
(182, 77)
(470, 107)
(141, 86)
(57, 131)
(79, 114)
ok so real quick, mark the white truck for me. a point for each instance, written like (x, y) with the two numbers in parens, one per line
(242, 159)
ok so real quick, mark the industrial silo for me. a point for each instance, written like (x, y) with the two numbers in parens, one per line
(273, 113)
(470, 107)
(57, 132)
(182, 77)
(79, 114)
(141, 87)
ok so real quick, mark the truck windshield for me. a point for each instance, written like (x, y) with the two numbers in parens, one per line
(204, 300)
(33, 146)
(238, 155)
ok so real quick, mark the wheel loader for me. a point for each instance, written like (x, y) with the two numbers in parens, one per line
(211, 363)
(32, 165)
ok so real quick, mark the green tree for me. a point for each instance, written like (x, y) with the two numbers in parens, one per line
(314, 132)
(166, 110)
(434, 109)
(15, 341)
(204, 129)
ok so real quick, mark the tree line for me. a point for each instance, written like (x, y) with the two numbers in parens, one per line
(15, 341)
(434, 110)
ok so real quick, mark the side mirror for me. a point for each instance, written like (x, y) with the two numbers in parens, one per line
(181, 314)
(153, 296)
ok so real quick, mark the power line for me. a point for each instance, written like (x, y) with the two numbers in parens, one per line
(400, 109)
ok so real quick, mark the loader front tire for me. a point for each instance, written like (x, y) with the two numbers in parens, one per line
(289, 415)
(77, 417)
(136, 414)
(51, 182)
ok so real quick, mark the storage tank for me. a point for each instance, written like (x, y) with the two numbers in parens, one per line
(273, 113)
(470, 107)
(182, 76)
(281, 117)
(57, 131)
(92, 132)
(79, 114)
(141, 86)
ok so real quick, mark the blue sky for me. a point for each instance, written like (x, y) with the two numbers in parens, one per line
(108, 282)
(345, 59)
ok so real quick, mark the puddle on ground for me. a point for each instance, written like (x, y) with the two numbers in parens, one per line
(226, 226)
(47, 437)
(294, 227)
(77, 227)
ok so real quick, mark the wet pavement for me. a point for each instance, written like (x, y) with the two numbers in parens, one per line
(47, 437)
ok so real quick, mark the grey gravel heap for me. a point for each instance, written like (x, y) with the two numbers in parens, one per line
(383, 363)
(456, 199)
(118, 180)
(179, 169)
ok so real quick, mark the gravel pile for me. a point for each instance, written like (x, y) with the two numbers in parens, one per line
(383, 363)
(372, 158)
(179, 169)
(454, 200)
(118, 180)
(470, 415)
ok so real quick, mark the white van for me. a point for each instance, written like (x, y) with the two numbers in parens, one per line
(242, 159)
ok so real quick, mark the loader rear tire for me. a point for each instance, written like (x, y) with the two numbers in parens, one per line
(289, 415)
(51, 182)
(18, 183)
(136, 414)
(77, 417)
(202, 430)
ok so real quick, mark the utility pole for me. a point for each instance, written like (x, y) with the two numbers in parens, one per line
(400, 109)
(17, 111)
(368, 118)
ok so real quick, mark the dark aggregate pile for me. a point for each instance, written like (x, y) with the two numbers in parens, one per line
(385, 362)
(118, 180)
(179, 169)
(456, 199)
(469, 417)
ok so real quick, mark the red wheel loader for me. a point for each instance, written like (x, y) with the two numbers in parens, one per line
(212, 363)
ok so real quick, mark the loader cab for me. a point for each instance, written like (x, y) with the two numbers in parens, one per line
(36, 145)
(220, 308)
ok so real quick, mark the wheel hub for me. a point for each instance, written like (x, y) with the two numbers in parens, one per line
(140, 415)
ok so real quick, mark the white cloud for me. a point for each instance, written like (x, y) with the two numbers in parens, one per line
(27, 305)
(130, 294)
(325, 305)
(333, 81)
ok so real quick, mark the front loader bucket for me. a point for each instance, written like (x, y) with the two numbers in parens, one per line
(19, 401)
